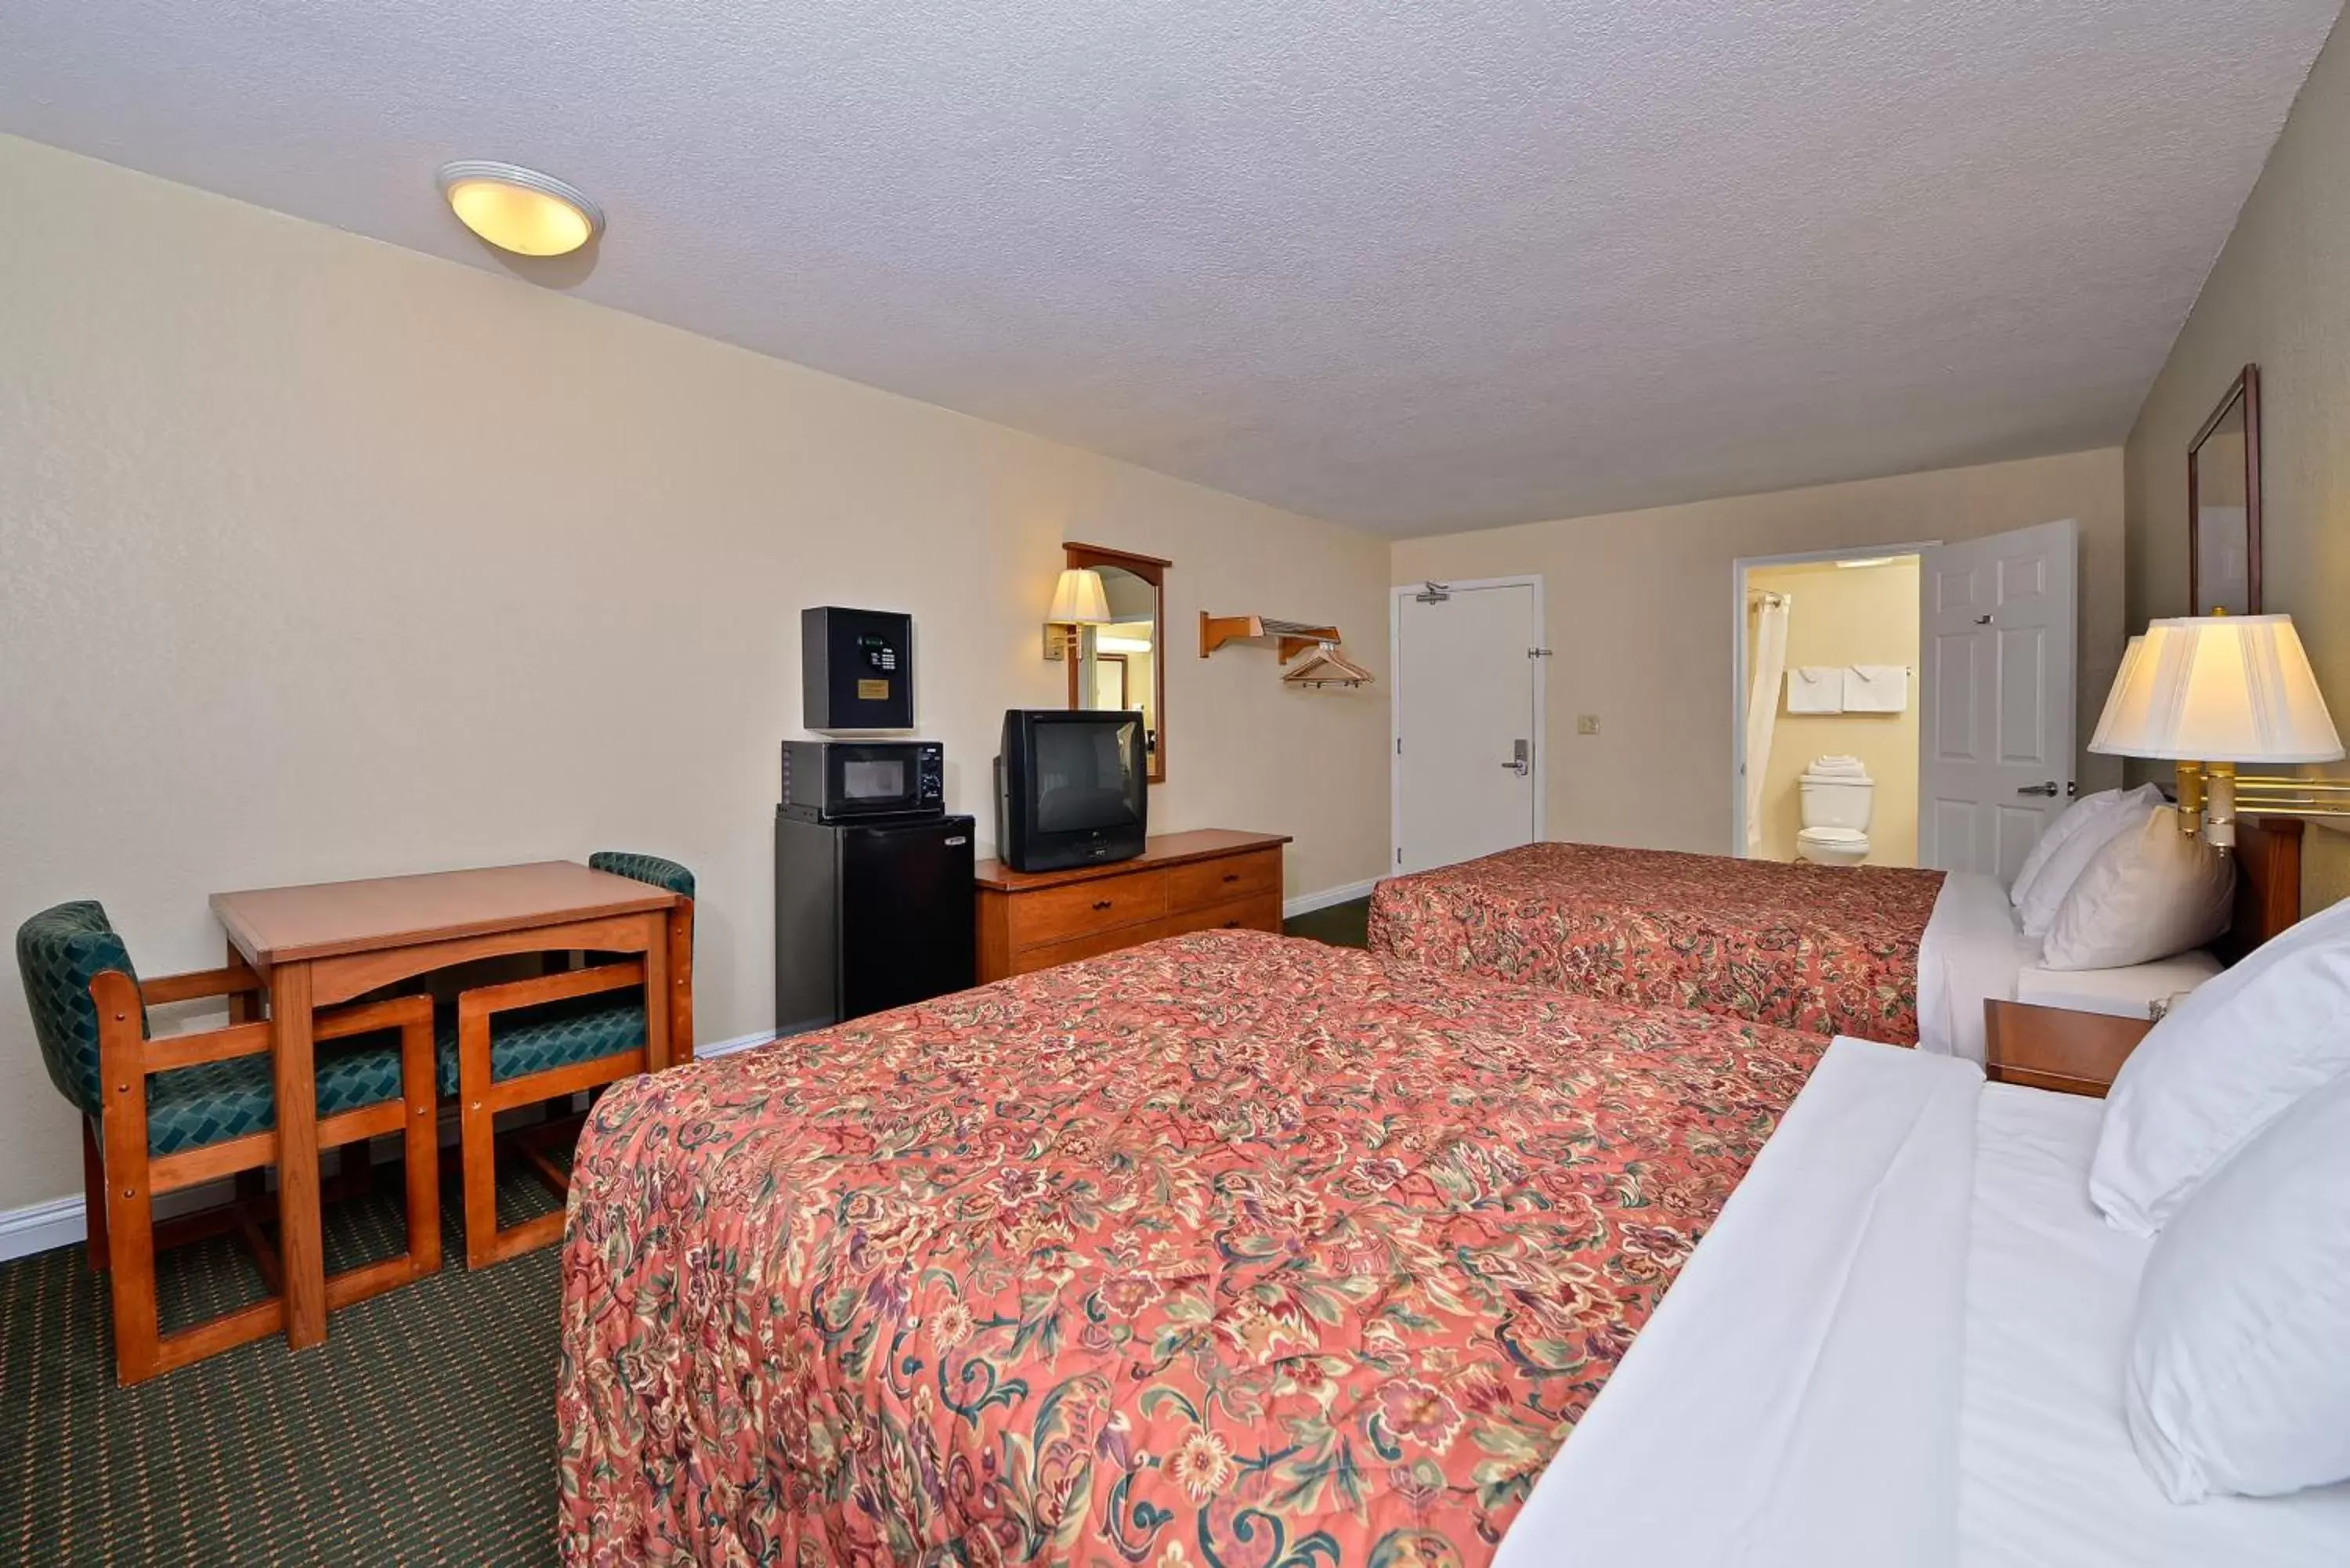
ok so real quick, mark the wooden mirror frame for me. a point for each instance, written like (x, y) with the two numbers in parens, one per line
(2246, 389)
(1151, 570)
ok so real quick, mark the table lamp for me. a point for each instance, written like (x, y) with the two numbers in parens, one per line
(2208, 692)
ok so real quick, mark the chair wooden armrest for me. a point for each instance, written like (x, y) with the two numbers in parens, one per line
(176, 1051)
(559, 987)
(172, 1052)
(234, 981)
(368, 1017)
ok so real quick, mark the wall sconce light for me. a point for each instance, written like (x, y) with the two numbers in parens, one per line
(2210, 691)
(1078, 599)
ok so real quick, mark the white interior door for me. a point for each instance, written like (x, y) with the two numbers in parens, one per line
(1468, 710)
(1997, 654)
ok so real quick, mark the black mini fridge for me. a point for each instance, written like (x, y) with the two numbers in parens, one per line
(870, 916)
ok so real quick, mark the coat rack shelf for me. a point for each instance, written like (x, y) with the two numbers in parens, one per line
(1294, 637)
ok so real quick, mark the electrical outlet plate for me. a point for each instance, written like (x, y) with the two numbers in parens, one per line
(1586, 723)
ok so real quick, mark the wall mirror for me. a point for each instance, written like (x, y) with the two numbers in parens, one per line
(2223, 503)
(1118, 664)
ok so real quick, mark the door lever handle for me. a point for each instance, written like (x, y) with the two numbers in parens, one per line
(2049, 789)
(1522, 758)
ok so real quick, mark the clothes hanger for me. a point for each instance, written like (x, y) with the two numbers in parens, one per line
(1325, 665)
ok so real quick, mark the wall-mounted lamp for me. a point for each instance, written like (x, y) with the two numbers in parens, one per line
(2210, 691)
(520, 210)
(1078, 599)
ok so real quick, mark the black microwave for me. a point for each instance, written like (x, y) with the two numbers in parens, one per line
(857, 781)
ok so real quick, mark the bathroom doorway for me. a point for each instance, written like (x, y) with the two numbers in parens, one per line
(1823, 709)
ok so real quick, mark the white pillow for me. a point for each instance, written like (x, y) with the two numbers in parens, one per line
(2144, 896)
(2234, 1052)
(2047, 894)
(2069, 821)
(2240, 1360)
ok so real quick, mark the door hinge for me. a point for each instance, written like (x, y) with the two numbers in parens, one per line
(1537, 653)
(1398, 857)
(1399, 745)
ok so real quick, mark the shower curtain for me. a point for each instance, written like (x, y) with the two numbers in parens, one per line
(1763, 705)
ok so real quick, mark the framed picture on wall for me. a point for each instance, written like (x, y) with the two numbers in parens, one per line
(2223, 503)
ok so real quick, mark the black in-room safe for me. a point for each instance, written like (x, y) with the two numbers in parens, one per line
(857, 669)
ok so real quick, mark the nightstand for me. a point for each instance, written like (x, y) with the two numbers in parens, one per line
(2055, 1048)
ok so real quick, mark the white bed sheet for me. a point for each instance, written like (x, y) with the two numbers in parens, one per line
(1900, 1346)
(1974, 948)
(1793, 1399)
(2047, 1475)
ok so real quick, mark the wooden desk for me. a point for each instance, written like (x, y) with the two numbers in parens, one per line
(1180, 882)
(317, 945)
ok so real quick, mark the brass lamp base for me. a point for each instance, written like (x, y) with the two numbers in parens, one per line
(2211, 796)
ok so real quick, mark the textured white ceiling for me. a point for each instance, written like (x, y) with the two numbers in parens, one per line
(1410, 266)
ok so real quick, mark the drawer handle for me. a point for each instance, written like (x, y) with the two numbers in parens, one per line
(1101, 903)
(1232, 925)
(1232, 876)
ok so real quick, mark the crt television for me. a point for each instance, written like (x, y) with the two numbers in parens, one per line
(1069, 788)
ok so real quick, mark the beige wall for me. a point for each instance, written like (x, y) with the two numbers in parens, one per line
(1639, 612)
(2279, 297)
(326, 559)
(1839, 616)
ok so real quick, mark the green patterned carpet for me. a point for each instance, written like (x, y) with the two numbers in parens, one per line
(421, 1432)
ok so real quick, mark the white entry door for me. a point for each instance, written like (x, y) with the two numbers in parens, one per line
(1995, 695)
(1468, 714)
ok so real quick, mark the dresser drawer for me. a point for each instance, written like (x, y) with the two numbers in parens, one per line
(1206, 882)
(1261, 913)
(1079, 908)
(1027, 961)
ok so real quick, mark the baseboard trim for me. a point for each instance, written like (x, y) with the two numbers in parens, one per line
(38, 1226)
(1306, 903)
(728, 1047)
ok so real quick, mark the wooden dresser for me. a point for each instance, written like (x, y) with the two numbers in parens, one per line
(1180, 882)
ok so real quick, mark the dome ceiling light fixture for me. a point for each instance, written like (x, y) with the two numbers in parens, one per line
(520, 210)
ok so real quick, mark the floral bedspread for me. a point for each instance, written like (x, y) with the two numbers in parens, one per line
(1227, 1251)
(1825, 948)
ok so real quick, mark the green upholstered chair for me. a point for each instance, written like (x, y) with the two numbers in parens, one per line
(161, 1115)
(544, 1038)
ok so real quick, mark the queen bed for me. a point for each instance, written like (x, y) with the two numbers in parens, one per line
(1890, 954)
(1831, 951)
(1232, 1249)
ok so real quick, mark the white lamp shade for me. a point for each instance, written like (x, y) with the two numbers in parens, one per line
(1078, 599)
(2218, 689)
(2114, 698)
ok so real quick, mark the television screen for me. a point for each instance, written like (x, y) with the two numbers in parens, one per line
(1084, 779)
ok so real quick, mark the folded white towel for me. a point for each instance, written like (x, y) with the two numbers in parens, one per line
(1876, 688)
(1837, 767)
(1815, 689)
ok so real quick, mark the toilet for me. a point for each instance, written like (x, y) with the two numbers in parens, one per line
(1837, 797)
